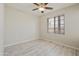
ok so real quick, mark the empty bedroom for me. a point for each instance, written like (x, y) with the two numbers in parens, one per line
(41, 29)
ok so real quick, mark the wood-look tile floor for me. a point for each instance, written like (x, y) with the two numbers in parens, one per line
(38, 48)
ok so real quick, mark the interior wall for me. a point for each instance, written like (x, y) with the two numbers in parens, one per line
(71, 36)
(20, 26)
(1, 27)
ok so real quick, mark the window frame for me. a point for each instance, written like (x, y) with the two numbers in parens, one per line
(59, 24)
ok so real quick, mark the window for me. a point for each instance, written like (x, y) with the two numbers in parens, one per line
(56, 24)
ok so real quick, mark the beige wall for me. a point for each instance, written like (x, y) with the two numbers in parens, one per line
(20, 26)
(71, 36)
(1, 28)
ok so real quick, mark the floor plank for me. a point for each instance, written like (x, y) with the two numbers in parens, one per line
(39, 48)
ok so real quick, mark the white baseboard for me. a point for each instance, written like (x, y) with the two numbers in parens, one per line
(42, 39)
(18, 43)
(61, 44)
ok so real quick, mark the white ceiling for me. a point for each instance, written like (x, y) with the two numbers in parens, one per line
(27, 7)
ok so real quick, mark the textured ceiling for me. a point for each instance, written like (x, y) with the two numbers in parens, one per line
(27, 7)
